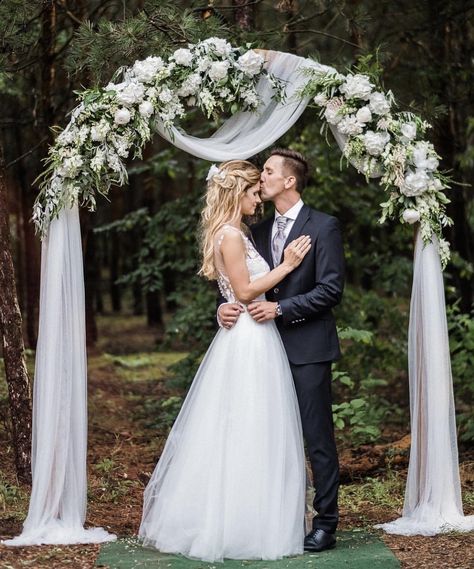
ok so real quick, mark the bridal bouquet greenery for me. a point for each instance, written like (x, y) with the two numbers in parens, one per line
(109, 123)
(380, 142)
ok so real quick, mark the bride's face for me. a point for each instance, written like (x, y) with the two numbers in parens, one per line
(250, 200)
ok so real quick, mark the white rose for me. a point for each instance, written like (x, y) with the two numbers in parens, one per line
(320, 99)
(218, 70)
(422, 158)
(357, 87)
(131, 94)
(408, 130)
(146, 70)
(379, 104)
(146, 109)
(375, 142)
(364, 114)
(250, 63)
(183, 57)
(415, 183)
(411, 216)
(122, 116)
(350, 125)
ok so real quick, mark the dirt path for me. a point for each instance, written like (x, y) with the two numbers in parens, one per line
(125, 441)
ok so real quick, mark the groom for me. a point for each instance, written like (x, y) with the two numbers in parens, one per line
(301, 305)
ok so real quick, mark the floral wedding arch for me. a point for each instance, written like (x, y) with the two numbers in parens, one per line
(265, 92)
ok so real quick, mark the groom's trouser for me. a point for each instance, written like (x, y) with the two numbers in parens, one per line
(313, 388)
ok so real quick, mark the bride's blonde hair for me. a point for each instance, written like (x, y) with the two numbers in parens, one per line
(224, 192)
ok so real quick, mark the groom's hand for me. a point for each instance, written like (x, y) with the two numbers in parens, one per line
(261, 311)
(228, 314)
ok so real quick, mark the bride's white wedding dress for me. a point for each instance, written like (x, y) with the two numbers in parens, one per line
(230, 482)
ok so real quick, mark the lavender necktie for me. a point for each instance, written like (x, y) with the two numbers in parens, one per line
(279, 239)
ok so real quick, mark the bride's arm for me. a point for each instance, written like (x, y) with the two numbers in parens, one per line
(233, 254)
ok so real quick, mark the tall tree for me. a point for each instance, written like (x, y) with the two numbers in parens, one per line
(19, 388)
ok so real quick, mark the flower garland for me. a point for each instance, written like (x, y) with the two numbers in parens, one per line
(88, 155)
(379, 142)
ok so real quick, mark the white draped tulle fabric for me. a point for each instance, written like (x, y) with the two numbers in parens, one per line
(58, 499)
(433, 491)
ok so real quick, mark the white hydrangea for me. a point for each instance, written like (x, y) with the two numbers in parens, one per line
(146, 70)
(379, 104)
(131, 94)
(183, 57)
(375, 142)
(250, 63)
(166, 95)
(357, 87)
(203, 64)
(424, 156)
(218, 70)
(190, 85)
(220, 46)
(350, 125)
(415, 183)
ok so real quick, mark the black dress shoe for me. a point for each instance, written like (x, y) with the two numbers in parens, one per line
(319, 540)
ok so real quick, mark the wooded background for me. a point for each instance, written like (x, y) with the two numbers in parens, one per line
(140, 250)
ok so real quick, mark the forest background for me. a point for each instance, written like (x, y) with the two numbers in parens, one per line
(149, 317)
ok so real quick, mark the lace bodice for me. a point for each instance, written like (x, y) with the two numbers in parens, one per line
(256, 264)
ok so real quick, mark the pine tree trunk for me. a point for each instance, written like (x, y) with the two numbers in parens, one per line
(19, 387)
(244, 14)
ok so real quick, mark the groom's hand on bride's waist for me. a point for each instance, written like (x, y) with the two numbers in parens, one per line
(262, 310)
(228, 314)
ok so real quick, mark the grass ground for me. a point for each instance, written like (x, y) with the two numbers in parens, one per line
(126, 435)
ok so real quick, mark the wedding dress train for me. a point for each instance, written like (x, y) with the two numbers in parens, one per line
(231, 480)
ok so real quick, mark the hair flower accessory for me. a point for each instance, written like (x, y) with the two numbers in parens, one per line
(215, 171)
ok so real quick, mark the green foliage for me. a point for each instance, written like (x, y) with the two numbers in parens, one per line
(357, 418)
(461, 340)
(9, 494)
(113, 485)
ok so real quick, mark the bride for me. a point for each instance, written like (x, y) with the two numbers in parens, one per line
(230, 482)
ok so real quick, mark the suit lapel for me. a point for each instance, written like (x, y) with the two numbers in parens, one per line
(297, 228)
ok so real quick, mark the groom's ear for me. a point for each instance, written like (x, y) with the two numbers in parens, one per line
(290, 182)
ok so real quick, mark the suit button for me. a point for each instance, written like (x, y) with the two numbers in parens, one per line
(276, 290)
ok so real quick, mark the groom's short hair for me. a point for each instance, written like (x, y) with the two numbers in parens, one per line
(296, 163)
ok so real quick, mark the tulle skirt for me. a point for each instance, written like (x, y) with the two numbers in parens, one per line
(231, 480)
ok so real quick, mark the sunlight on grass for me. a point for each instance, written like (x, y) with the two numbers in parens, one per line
(385, 492)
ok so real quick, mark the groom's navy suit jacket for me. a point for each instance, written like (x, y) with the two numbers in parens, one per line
(308, 293)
